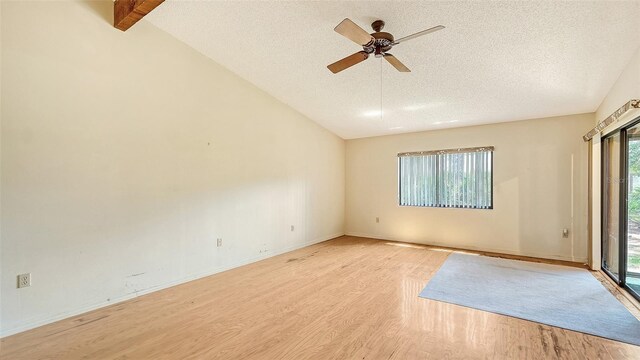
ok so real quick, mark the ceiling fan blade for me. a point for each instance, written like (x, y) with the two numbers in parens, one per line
(347, 62)
(396, 63)
(423, 32)
(353, 32)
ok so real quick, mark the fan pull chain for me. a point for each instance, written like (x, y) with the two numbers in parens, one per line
(381, 113)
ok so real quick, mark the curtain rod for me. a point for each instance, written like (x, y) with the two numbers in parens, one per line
(446, 151)
(631, 104)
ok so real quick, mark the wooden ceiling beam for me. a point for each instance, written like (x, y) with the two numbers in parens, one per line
(128, 12)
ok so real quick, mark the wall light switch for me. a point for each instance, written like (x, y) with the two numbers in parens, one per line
(565, 233)
(219, 242)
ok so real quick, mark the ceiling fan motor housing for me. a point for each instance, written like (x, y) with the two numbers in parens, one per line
(383, 43)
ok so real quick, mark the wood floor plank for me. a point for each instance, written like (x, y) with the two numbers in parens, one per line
(347, 298)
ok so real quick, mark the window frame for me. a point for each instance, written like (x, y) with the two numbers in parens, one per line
(440, 152)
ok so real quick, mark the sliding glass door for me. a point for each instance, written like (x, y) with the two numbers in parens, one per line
(611, 206)
(632, 250)
(621, 206)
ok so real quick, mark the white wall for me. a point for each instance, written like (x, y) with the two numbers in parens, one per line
(125, 155)
(540, 187)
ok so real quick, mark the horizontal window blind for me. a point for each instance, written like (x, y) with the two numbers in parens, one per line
(460, 178)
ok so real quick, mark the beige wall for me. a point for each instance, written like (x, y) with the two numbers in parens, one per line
(540, 187)
(125, 155)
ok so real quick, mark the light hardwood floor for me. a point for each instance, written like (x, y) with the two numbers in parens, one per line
(347, 298)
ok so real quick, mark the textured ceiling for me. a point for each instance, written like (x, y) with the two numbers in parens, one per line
(495, 61)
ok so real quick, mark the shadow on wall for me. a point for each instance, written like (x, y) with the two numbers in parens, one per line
(103, 9)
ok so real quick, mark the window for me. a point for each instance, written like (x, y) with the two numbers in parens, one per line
(456, 178)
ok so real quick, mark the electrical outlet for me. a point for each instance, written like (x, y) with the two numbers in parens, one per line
(377, 219)
(24, 280)
(292, 228)
(565, 233)
(219, 242)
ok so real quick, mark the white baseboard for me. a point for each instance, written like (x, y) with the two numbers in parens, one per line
(475, 248)
(116, 300)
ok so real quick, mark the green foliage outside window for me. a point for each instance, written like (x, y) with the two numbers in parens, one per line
(633, 203)
(634, 189)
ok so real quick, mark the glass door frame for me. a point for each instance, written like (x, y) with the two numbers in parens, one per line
(604, 192)
(622, 203)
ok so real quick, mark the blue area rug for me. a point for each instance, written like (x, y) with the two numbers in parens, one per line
(561, 296)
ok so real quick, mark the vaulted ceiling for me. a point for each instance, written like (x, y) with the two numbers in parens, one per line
(494, 62)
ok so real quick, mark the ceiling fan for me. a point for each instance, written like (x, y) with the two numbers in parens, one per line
(377, 43)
